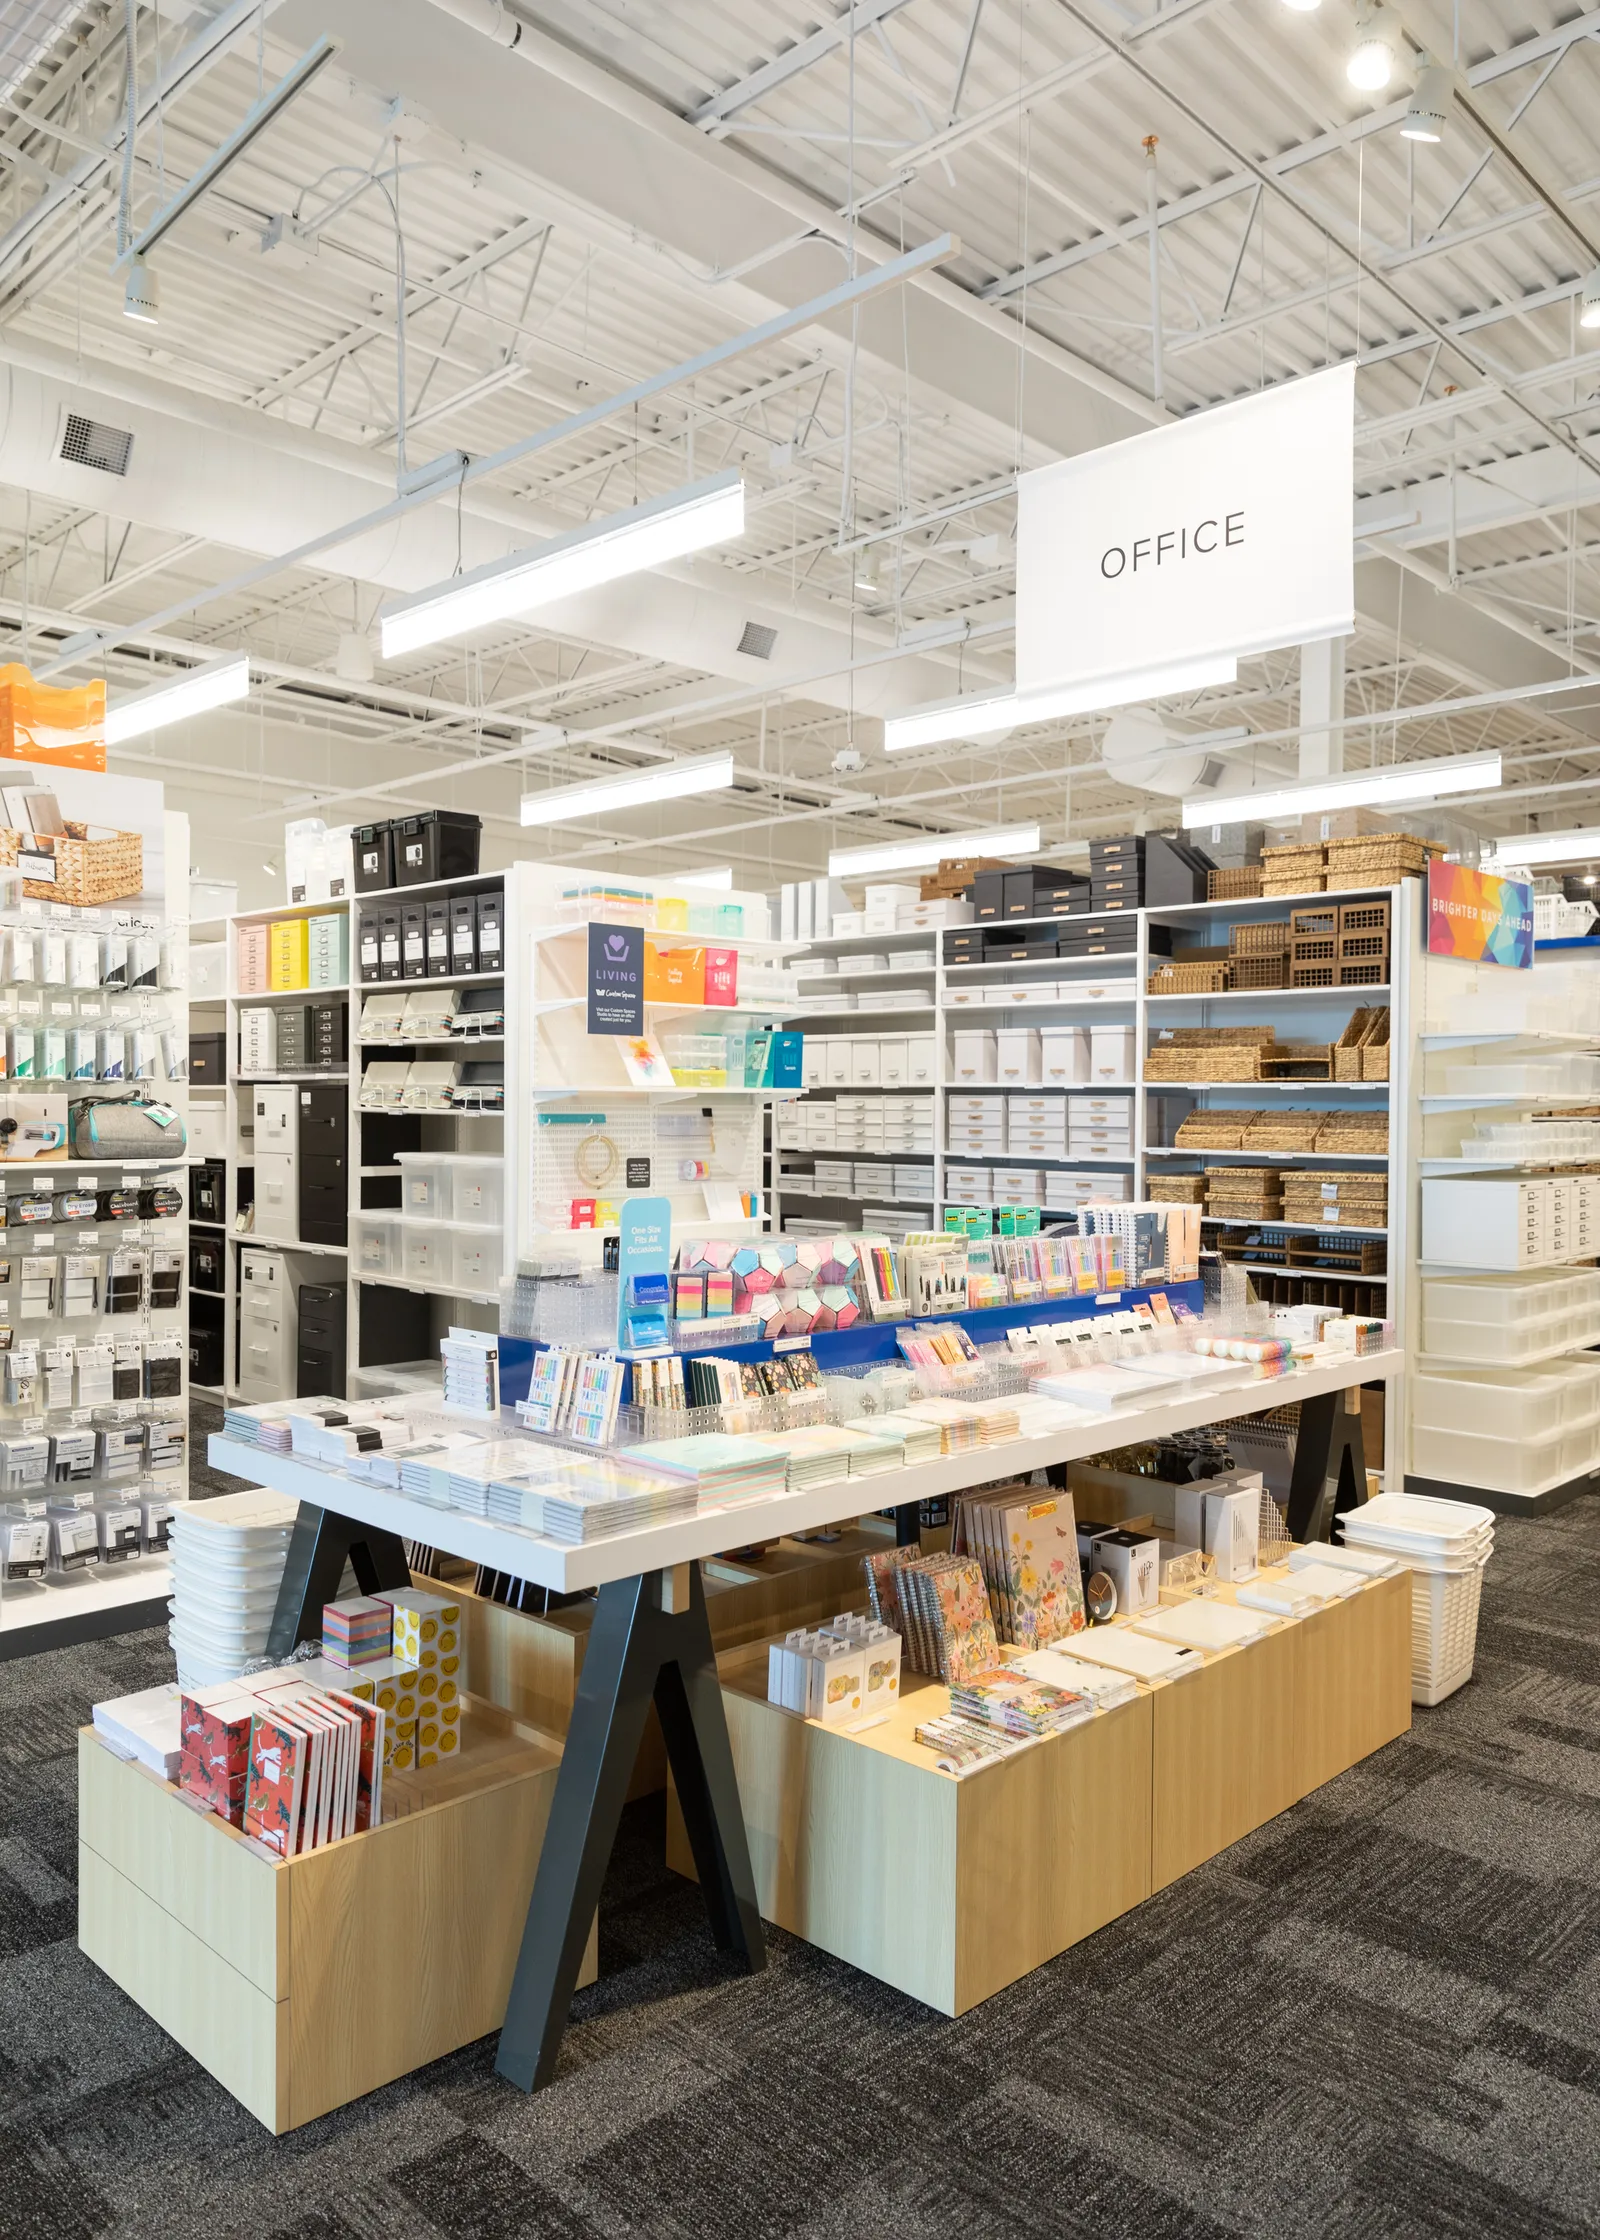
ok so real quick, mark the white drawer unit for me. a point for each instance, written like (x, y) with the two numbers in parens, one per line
(1488, 1223)
(267, 1332)
(277, 1195)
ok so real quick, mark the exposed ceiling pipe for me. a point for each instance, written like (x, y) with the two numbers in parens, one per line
(487, 16)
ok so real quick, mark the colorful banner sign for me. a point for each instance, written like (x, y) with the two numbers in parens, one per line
(616, 979)
(1479, 917)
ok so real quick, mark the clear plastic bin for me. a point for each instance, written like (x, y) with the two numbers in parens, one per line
(427, 1254)
(375, 1244)
(1501, 1403)
(427, 1191)
(1504, 1464)
(1572, 1073)
(1581, 1375)
(1503, 1302)
(477, 1260)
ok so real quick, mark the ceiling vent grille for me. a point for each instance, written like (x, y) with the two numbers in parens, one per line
(90, 443)
(758, 640)
(1212, 772)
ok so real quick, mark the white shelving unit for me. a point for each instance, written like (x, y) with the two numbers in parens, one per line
(1481, 1015)
(239, 1124)
(1000, 993)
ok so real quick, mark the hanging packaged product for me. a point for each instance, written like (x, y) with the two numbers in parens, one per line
(56, 1361)
(24, 1544)
(163, 1367)
(72, 1455)
(96, 1363)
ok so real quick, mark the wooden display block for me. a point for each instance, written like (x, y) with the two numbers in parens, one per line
(529, 1663)
(949, 1890)
(302, 1984)
(940, 1887)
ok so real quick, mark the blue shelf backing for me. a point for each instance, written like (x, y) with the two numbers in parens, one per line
(1572, 941)
(874, 1341)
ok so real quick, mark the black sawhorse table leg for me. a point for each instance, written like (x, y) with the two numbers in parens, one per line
(650, 1640)
(318, 1547)
(1330, 1465)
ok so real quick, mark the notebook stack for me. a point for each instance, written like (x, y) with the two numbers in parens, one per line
(1103, 1685)
(816, 1454)
(467, 1485)
(949, 1629)
(357, 1631)
(314, 1770)
(889, 1439)
(723, 1467)
(1017, 1704)
(146, 1727)
(593, 1500)
(1025, 1540)
(427, 1636)
(957, 1422)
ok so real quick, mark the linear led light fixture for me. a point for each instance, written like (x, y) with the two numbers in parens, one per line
(1548, 847)
(721, 878)
(1407, 781)
(975, 716)
(315, 59)
(598, 797)
(919, 855)
(685, 520)
(212, 685)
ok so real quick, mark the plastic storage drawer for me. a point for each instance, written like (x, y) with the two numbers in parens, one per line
(375, 1244)
(426, 1185)
(1500, 1403)
(476, 1260)
(426, 1254)
(1502, 1465)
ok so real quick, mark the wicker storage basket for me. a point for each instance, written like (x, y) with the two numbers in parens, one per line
(1214, 1131)
(1360, 1028)
(1277, 863)
(1240, 885)
(87, 871)
(1267, 938)
(1310, 882)
(1190, 980)
(1176, 1189)
(1362, 917)
(1261, 972)
(1283, 1131)
(1353, 1131)
(1298, 1061)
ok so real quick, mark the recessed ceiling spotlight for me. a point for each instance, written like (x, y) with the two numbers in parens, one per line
(1376, 53)
(1302, 7)
(1589, 315)
(141, 294)
(1429, 108)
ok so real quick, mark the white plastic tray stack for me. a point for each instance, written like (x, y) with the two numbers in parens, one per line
(1446, 1546)
(227, 1565)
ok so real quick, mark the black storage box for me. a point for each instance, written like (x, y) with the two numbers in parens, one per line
(965, 946)
(1126, 849)
(463, 934)
(435, 844)
(989, 894)
(437, 932)
(373, 848)
(208, 1192)
(208, 1061)
(368, 954)
(491, 916)
(413, 941)
(389, 962)
(205, 1263)
(205, 1350)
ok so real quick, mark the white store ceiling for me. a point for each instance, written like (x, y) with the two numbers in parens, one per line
(637, 183)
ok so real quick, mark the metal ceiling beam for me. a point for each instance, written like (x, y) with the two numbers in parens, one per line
(1289, 160)
(715, 114)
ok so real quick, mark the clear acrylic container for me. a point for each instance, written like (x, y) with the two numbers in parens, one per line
(375, 1244)
(426, 1185)
(426, 1254)
(476, 1259)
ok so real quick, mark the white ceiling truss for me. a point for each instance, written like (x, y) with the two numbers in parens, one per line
(547, 232)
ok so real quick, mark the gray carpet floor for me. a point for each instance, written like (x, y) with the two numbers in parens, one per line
(1378, 2015)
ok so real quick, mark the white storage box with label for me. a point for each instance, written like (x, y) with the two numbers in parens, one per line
(922, 1060)
(838, 1047)
(1485, 1222)
(973, 1055)
(1063, 1055)
(1017, 1055)
(813, 1061)
(893, 1068)
(1111, 1053)
(1019, 1186)
(864, 1061)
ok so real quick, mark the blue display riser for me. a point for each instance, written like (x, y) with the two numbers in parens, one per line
(875, 1341)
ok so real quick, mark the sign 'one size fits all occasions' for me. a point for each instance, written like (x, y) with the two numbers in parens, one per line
(1223, 534)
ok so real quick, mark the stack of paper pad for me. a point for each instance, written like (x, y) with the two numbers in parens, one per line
(427, 1635)
(467, 1486)
(997, 1420)
(591, 1500)
(146, 1727)
(957, 1421)
(1104, 1686)
(816, 1453)
(889, 1439)
(1100, 1385)
(722, 1466)
(1127, 1651)
(1367, 1563)
(1038, 1416)
(1018, 1703)
(1201, 1623)
(359, 1630)
(1185, 1371)
(923, 1440)
(426, 1474)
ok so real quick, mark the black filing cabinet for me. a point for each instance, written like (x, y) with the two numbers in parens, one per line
(320, 1364)
(324, 1165)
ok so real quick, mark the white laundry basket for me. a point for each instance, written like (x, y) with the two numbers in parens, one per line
(1446, 1546)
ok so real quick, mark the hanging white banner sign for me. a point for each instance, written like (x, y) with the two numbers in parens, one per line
(1225, 534)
